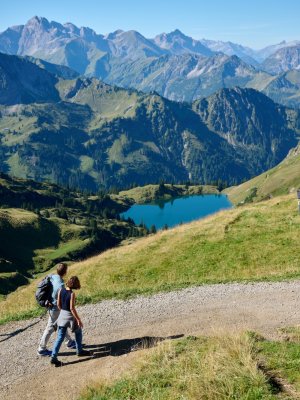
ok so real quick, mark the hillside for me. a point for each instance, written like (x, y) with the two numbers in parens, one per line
(282, 179)
(234, 245)
(32, 244)
(237, 115)
(25, 82)
(42, 224)
(94, 135)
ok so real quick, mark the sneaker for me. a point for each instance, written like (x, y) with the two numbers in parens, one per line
(84, 353)
(54, 361)
(71, 344)
(44, 353)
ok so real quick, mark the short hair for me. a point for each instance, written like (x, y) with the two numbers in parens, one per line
(62, 269)
(73, 283)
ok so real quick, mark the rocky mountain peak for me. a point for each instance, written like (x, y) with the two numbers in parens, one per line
(178, 43)
(72, 28)
(87, 33)
(284, 59)
(177, 32)
(113, 35)
(36, 21)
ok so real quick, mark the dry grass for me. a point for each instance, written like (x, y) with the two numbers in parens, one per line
(17, 216)
(216, 368)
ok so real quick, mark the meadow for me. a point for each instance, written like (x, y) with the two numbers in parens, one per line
(255, 242)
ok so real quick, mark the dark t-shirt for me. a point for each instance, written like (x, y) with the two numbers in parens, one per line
(65, 298)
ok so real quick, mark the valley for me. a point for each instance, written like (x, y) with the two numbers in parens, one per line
(90, 135)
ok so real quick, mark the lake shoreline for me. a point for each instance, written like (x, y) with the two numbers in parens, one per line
(170, 212)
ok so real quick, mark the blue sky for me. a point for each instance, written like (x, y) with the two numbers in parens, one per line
(255, 23)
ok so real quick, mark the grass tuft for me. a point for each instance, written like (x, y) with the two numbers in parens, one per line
(216, 368)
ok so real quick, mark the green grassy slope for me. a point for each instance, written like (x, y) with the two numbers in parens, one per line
(250, 243)
(42, 224)
(109, 101)
(32, 244)
(282, 179)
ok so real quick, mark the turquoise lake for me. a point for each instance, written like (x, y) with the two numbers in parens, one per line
(177, 211)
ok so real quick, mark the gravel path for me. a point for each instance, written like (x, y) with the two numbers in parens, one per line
(263, 307)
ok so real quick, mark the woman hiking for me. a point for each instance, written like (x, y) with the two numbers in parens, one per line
(68, 317)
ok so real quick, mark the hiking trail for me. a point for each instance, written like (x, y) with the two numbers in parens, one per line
(115, 329)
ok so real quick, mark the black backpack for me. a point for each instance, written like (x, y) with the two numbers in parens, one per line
(43, 293)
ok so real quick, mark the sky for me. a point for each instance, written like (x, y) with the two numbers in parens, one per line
(254, 23)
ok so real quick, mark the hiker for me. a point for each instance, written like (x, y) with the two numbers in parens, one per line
(68, 317)
(57, 283)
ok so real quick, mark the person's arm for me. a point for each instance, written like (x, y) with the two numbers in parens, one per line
(59, 300)
(73, 310)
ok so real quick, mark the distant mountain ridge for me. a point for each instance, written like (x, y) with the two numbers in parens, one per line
(183, 77)
(178, 43)
(77, 48)
(30, 38)
(244, 53)
(172, 64)
(285, 59)
(89, 134)
(263, 54)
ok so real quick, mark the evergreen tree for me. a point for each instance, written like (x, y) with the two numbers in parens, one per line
(161, 188)
(153, 229)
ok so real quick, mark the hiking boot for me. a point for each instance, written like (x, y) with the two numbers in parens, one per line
(71, 344)
(54, 361)
(44, 353)
(83, 353)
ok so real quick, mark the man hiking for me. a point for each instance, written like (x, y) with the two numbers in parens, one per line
(57, 284)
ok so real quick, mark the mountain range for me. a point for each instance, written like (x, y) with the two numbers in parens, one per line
(54, 40)
(85, 133)
(174, 65)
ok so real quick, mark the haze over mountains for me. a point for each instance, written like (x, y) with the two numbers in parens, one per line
(172, 64)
